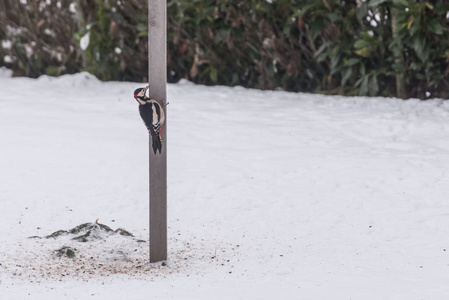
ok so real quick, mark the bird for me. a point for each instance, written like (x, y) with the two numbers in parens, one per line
(153, 116)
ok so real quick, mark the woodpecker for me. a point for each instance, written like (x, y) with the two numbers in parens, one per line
(153, 116)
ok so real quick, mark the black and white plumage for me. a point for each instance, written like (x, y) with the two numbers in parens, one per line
(153, 116)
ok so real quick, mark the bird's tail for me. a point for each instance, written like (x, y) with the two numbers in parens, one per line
(157, 142)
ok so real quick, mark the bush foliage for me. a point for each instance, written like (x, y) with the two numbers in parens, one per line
(376, 47)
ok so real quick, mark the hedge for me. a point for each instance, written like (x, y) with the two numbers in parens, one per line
(377, 47)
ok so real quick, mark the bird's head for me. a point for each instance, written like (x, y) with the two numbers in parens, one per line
(139, 95)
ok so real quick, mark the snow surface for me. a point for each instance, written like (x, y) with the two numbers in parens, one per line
(84, 41)
(272, 195)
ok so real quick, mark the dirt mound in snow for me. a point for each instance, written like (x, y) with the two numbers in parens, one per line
(87, 251)
(88, 232)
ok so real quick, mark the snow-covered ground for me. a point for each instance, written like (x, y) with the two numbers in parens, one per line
(272, 195)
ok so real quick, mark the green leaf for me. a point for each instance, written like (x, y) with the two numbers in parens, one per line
(420, 47)
(362, 69)
(347, 72)
(375, 3)
(396, 46)
(334, 17)
(364, 52)
(322, 48)
(52, 71)
(316, 27)
(363, 91)
(399, 68)
(414, 27)
(286, 29)
(435, 26)
(213, 74)
(420, 76)
(402, 4)
(142, 27)
(430, 6)
(335, 63)
(415, 66)
(321, 57)
(373, 86)
(362, 44)
(362, 11)
(367, 37)
(359, 81)
(306, 8)
(352, 61)
(220, 35)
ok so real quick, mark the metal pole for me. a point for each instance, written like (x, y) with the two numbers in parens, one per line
(157, 69)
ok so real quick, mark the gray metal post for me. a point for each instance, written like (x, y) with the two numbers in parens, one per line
(157, 69)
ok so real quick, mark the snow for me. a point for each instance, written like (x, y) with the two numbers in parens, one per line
(72, 8)
(84, 41)
(8, 59)
(272, 195)
(6, 44)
